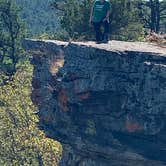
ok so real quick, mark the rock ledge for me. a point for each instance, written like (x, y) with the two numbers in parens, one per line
(105, 103)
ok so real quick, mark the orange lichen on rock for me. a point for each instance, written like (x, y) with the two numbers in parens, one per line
(62, 100)
(55, 65)
(56, 62)
(132, 126)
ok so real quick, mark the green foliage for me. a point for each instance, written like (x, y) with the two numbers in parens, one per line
(22, 143)
(163, 16)
(76, 17)
(44, 36)
(59, 35)
(153, 14)
(130, 33)
(125, 23)
(39, 16)
(69, 19)
(11, 33)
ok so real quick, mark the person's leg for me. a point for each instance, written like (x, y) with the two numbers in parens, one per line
(97, 26)
(106, 31)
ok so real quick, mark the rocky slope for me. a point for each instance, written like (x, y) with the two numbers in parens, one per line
(105, 103)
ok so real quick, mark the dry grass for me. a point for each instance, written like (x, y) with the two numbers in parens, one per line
(156, 38)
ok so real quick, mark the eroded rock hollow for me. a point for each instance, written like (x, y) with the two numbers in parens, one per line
(105, 103)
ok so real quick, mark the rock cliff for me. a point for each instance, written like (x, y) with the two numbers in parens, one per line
(105, 103)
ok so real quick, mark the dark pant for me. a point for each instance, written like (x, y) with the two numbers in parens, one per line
(97, 27)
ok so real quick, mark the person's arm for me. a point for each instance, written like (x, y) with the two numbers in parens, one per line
(108, 13)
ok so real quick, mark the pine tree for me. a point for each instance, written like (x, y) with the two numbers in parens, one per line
(11, 32)
(153, 14)
(125, 23)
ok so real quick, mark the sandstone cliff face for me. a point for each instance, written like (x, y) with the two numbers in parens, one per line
(106, 104)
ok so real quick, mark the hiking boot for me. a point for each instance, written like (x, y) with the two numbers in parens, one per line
(105, 38)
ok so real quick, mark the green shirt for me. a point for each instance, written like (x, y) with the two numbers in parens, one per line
(100, 10)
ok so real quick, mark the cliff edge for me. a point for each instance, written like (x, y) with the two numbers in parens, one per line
(105, 103)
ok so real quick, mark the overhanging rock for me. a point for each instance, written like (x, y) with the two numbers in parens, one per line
(105, 103)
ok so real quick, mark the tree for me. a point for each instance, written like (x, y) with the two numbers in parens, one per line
(124, 17)
(22, 143)
(163, 16)
(38, 16)
(11, 32)
(74, 17)
(125, 21)
(152, 13)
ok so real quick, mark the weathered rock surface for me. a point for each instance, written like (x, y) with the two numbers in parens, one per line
(105, 103)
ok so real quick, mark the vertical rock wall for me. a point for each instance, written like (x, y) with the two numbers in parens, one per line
(107, 107)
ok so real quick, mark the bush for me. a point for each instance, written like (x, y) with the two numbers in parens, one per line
(22, 143)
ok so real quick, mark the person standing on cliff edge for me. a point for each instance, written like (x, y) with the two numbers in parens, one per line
(99, 16)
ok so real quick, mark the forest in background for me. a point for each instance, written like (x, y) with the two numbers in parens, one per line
(130, 20)
(22, 143)
(38, 16)
(57, 19)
